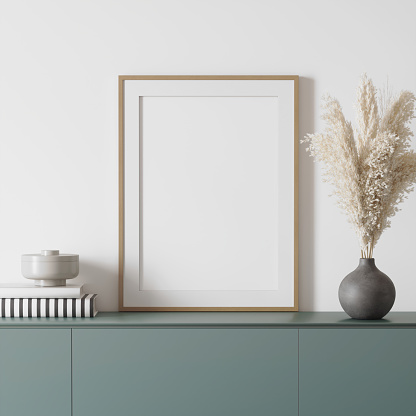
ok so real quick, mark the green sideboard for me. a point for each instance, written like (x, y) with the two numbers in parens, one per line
(208, 363)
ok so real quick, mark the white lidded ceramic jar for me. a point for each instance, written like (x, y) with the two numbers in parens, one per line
(49, 268)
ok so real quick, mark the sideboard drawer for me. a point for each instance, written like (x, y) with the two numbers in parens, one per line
(185, 372)
(35, 372)
(346, 372)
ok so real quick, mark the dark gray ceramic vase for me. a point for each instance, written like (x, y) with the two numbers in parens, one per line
(367, 293)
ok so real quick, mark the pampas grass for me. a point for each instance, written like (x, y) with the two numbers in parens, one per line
(371, 166)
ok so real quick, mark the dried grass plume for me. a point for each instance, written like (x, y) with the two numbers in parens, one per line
(371, 166)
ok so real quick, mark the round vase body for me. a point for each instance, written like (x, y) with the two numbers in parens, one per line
(367, 293)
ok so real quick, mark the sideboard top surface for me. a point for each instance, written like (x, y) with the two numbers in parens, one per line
(216, 319)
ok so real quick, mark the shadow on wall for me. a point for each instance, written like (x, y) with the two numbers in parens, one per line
(96, 276)
(306, 197)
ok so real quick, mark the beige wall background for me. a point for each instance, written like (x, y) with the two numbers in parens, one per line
(59, 62)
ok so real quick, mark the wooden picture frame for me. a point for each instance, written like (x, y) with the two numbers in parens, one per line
(208, 193)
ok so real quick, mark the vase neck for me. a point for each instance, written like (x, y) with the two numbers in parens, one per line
(367, 262)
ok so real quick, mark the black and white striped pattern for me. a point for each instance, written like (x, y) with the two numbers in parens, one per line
(48, 308)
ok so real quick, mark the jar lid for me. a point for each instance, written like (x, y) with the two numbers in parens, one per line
(49, 256)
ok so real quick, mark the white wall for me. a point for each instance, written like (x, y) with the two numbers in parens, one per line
(59, 62)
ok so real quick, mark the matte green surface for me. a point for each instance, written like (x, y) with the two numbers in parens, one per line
(216, 319)
(346, 372)
(185, 372)
(35, 372)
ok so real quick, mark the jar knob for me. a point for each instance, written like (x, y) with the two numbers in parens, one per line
(49, 252)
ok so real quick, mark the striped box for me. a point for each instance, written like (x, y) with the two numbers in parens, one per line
(49, 308)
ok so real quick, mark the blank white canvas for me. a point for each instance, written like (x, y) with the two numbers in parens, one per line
(210, 193)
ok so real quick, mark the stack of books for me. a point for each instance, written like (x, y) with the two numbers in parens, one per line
(28, 301)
